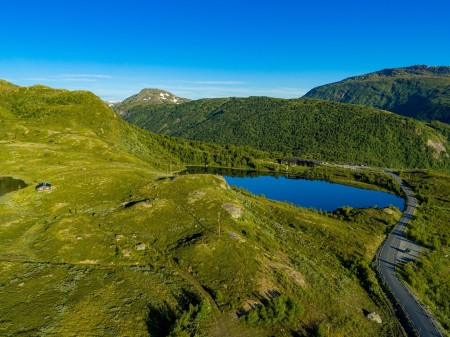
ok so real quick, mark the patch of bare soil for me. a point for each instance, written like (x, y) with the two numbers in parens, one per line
(439, 148)
(234, 210)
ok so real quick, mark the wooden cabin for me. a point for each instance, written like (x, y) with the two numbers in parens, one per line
(41, 187)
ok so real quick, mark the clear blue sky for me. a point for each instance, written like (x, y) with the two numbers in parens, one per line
(215, 48)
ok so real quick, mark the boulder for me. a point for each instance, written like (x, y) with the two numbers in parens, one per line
(141, 246)
(373, 316)
(234, 210)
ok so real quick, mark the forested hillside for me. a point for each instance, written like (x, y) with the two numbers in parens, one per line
(307, 128)
(419, 91)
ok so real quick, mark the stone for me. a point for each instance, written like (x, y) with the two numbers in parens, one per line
(373, 316)
(141, 246)
(234, 210)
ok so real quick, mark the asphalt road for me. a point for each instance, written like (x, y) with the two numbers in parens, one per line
(396, 249)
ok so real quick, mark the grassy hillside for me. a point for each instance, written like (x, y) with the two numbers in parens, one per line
(429, 276)
(307, 128)
(419, 91)
(119, 248)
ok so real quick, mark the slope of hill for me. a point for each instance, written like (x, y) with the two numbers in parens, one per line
(148, 97)
(116, 248)
(429, 276)
(421, 92)
(307, 128)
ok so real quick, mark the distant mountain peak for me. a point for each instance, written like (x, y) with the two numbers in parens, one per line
(154, 96)
(145, 97)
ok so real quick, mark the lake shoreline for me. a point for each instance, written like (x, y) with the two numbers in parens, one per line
(297, 189)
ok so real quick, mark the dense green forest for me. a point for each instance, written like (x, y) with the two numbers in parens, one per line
(306, 128)
(419, 91)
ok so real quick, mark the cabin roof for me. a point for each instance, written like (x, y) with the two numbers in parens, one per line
(44, 184)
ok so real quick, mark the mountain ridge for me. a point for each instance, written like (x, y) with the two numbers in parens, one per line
(420, 91)
(420, 70)
(306, 127)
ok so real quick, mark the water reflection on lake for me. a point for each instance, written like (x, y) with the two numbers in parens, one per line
(316, 194)
(9, 184)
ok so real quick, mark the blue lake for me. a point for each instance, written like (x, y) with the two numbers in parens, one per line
(316, 194)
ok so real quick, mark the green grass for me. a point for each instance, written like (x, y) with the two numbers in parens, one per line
(119, 248)
(429, 276)
(74, 300)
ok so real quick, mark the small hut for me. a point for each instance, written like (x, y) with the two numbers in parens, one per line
(299, 162)
(41, 187)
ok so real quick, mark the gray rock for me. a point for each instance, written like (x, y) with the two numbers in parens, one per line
(373, 316)
(234, 210)
(141, 246)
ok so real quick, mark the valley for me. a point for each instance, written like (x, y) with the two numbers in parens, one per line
(224, 169)
(120, 245)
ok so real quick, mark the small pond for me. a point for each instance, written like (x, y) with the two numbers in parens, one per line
(9, 184)
(317, 194)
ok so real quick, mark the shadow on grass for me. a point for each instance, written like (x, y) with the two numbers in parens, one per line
(162, 318)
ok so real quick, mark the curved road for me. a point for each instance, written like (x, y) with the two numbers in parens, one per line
(396, 249)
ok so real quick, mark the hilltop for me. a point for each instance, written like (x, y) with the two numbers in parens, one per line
(148, 97)
(307, 128)
(420, 91)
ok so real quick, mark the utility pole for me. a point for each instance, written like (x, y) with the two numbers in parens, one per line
(218, 221)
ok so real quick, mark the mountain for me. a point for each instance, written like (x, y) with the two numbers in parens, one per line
(122, 247)
(420, 91)
(148, 97)
(307, 128)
